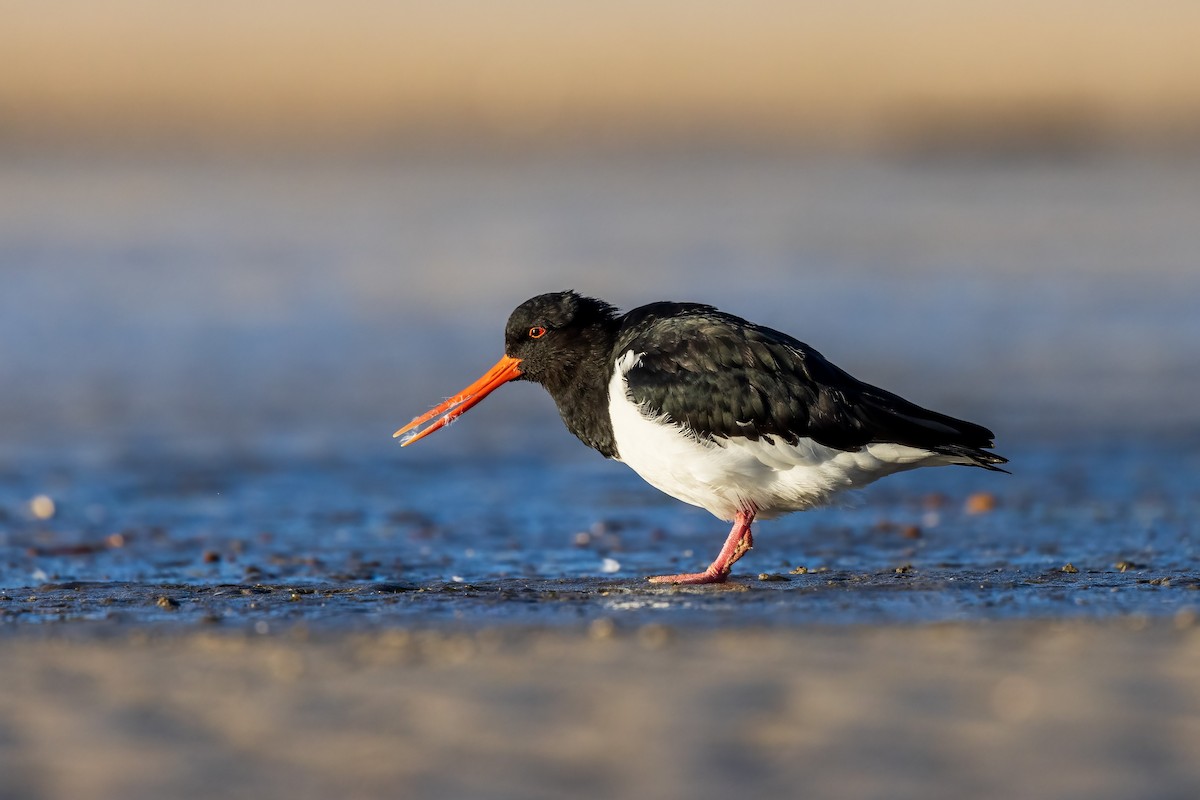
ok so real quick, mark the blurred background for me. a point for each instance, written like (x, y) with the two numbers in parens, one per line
(230, 224)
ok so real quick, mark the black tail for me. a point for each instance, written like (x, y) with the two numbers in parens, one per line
(894, 419)
(976, 456)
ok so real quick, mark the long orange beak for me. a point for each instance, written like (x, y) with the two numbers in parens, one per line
(506, 369)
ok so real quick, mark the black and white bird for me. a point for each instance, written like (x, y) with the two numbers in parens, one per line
(718, 412)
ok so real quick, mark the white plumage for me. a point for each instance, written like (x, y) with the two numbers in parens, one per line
(725, 476)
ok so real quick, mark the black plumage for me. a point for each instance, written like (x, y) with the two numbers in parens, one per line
(573, 359)
(717, 375)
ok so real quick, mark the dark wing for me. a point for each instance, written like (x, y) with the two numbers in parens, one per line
(721, 376)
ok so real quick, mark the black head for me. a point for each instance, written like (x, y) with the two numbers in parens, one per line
(553, 333)
(562, 341)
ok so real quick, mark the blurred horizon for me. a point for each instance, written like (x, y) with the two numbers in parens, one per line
(376, 75)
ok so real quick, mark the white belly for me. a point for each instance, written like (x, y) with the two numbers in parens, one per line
(725, 476)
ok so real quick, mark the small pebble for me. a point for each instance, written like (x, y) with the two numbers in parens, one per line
(42, 507)
(210, 557)
(653, 636)
(981, 503)
(610, 565)
(934, 501)
(602, 629)
(772, 577)
(168, 603)
(800, 571)
(1068, 567)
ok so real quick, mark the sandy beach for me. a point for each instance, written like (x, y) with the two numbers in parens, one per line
(1034, 709)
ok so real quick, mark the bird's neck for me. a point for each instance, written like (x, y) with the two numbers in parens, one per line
(580, 390)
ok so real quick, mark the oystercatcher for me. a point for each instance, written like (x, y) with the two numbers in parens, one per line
(718, 412)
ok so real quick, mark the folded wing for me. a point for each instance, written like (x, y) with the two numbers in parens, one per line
(721, 376)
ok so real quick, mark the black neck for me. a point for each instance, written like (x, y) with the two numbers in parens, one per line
(580, 388)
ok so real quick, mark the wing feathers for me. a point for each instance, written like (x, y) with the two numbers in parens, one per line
(721, 376)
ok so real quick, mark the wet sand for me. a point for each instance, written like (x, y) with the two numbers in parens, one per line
(294, 627)
(1028, 709)
(291, 627)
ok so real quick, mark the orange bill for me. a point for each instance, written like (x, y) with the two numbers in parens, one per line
(506, 369)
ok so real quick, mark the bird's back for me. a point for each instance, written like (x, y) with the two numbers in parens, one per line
(720, 376)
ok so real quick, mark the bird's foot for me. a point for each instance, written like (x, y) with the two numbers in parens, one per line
(737, 545)
(745, 545)
(692, 578)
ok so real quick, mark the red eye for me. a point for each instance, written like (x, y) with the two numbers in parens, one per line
(537, 332)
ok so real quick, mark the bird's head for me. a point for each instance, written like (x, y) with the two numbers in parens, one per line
(545, 339)
(550, 334)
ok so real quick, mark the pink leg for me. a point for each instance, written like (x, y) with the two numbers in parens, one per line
(737, 545)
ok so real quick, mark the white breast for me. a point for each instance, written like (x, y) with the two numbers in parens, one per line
(724, 476)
